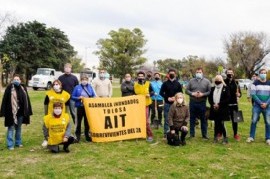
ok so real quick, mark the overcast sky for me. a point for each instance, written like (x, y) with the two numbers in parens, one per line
(173, 28)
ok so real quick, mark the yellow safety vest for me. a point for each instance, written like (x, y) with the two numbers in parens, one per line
(57, 97)
(143, 90)
(56, 128)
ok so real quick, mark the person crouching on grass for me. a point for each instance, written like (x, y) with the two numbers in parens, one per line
(178, 118)
(58, 129)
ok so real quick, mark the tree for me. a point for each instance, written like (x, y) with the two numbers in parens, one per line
(122, 52)
(245, 50)
(32, 45)
(166, 64)
(77, 65)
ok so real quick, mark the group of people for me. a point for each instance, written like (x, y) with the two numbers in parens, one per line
(223, 97)
(67, 94)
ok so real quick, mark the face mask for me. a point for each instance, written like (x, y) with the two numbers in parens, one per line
(57, 111)
(263, 76)
(156, 78)
(198, 75)
(84, 82)
(229, 75)
(67, 70)
(171, 76)
(140, 80)
(101, 75)
(56, 88)
(16, 83)
(218, 82)
(180, 100)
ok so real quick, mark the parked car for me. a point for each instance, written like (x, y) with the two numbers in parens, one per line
(244, 83)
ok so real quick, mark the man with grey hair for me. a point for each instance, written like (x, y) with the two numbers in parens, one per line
(102, 85)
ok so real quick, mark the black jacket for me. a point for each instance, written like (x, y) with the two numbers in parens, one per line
(223, 112)
(233, 85)
(169, 89)
(25, 107)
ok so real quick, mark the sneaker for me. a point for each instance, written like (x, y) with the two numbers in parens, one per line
(20, 146)
(205, 137)
(11, 148)
(237, 137)
(250, 139)
(149, 139)
(219, 136)
(44, 143)
(225, 141)
(268, 141)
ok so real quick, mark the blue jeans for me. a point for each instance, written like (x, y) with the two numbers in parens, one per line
(18, 132)
(72, 110)
(166, 122)
(197, 110)
(256, 111)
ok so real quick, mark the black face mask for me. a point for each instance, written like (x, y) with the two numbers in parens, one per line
(218, 82)
(171, 76)
(229, 75)
(156, 79)
(140, 80)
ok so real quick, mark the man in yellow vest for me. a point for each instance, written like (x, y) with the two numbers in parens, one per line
(143, 87)
(58, 129)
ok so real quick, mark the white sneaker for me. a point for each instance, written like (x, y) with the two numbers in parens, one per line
(44, 143)
(268, 141)
(250, 139)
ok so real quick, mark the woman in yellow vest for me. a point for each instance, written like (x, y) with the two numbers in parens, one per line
(142, 87)
(58, 129)
(56, 94)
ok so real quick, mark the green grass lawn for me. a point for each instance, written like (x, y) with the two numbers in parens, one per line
(136, 158)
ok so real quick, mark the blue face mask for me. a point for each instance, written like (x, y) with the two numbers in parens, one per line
(16, 83)
(199, 75)
(263, 76)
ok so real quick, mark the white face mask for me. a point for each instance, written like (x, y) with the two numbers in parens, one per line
(84, 82)
(57, 111)
(56, 88)
(180, 100)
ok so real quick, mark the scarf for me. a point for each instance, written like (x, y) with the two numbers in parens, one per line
(217, 93)
(14, 102)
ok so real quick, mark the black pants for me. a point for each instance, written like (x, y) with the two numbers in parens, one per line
(55, 148)
(173, 139)
(234, 124)
(159, 110)
(219, 128)
(81, 114)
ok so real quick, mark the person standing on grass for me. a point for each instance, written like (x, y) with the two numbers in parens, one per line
(260, 92)
(102, 86)
(58, 129)
(219, 109)
(157, 99)
(168, 90)
(235, 93)
(16, 108)
(178, 118)
(198, 89)
(69, 81)
(253, 79)
(127, 87)
(81, 91)
(56, 94)
(143, 87)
